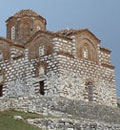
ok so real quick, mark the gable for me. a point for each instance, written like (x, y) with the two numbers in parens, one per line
(41, 39)
(86, 34)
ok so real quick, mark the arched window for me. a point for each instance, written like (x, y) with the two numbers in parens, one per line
(41, 70)
(41, 50)
(85, 52)
(38, 28)
(12, 33)
(90, 91)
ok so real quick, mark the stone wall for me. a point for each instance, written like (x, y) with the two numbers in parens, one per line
(66, 74)
(71, 124)
(104, 57)
(21, 78)
(76, 73)
(69, 113)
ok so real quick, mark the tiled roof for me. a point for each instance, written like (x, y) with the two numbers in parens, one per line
(48, 33)
(69, 32)
(26, 12)
(65, 31)
(11, 42)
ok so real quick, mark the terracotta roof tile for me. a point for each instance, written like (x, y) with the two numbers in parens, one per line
(69, 32)
(11, 42)
(49, 33)
(26, 12)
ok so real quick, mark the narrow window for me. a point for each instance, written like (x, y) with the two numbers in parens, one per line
(13, 33)
(90, 91)
(41, 87)
(1, 55)
(85, 52)
(41, 50)
(1, 90)
(1, 78)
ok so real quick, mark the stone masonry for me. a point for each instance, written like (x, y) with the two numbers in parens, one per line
(68, 63)
(63, 114)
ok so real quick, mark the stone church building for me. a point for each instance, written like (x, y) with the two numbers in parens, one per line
(68, 63)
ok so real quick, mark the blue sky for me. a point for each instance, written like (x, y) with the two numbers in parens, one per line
(102, 17)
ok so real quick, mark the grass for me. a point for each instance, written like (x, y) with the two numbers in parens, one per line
(8, 123)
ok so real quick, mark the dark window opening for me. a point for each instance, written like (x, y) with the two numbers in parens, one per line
(41, 87)
(90, 91)
(1, 90)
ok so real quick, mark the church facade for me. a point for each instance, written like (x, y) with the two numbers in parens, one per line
(68, 63)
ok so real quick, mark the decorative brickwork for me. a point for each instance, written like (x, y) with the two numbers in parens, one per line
(68, 63)
(23, 25)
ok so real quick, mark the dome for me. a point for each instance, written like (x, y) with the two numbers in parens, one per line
(22, 25)
(26, 13)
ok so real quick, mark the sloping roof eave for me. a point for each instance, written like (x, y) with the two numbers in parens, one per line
(11, 43)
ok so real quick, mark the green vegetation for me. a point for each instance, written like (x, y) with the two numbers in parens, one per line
(7, 122)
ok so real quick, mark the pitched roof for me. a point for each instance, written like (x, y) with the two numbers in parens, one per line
(49, 33)
(26, 12)
(11, 42)
(105, 50)
(69, 32)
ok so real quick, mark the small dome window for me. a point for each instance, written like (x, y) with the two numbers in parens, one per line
(41, 50)
(13, 33)
(38, 28)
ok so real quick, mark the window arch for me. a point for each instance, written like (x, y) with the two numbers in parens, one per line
(87, 50)
(12, 32)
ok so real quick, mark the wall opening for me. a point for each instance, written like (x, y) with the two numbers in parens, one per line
(41, 50)
(90, 91)
(13, 33)
(41, 90)
(85, 52)
(1, 55)
(1, 90)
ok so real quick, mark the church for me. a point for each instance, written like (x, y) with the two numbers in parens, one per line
(68, 63)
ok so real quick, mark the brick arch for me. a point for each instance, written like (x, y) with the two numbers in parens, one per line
(37, 42)
(92, 51)
(38, 23)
